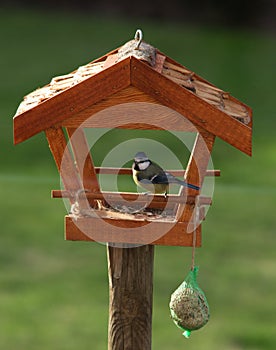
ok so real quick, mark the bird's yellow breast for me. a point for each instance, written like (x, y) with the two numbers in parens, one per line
(154, 188)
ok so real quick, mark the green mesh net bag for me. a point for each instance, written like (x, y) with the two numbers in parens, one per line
(188, 305)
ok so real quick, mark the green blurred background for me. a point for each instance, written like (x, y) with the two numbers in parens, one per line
(54, 294)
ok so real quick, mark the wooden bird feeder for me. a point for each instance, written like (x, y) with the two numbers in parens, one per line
(67, 106)
(131, 77)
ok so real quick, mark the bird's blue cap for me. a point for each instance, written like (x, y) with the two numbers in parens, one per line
(140, 156)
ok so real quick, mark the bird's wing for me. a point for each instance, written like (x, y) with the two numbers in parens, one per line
(160, 178)
(145, 181)
(154, 179)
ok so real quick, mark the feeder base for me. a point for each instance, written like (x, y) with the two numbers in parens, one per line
(130, 231)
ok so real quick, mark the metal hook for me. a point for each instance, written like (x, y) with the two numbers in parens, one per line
(138, 37)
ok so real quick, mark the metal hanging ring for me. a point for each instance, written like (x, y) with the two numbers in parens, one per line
(138, 37)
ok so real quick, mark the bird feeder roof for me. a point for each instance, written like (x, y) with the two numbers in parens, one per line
(163, 79)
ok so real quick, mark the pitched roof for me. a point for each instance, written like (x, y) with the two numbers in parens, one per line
(167, 81)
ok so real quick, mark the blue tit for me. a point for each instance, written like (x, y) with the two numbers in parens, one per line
(152, 177)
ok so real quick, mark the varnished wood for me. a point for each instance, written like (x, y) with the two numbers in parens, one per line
(128, 171)
(196, 169)
(130, 272)
(130, 108)
(199, 159)
(200, 80)
(63, 159)
(132, 95)
(134, 202)
(198, 111)
(130, 231)
(83, 159)
(113, 197)
(69, 102)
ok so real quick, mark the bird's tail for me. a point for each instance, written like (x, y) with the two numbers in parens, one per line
(194, 187)
(172, 179)
(186, 184)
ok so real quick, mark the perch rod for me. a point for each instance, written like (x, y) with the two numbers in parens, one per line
(131, 197)
(128, 171)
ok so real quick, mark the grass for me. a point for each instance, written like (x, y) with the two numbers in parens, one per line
(54, 294)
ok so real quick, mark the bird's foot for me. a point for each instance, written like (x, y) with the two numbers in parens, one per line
(146, 193)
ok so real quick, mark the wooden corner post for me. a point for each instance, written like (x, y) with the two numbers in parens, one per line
(130, 273)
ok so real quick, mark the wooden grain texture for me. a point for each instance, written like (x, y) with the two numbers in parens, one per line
(207, 91)
(105, 56)
(200, 80)
(130, 231)
(126, 202)
(155, 87)
(130, 108)
(113, 197)
(128, 171)
(110, 60)
(130, 274)
(64, 105)
(159, 62)
(198, 111)
(83, 159)
(196, 169)
(63, 159)
(199, 159)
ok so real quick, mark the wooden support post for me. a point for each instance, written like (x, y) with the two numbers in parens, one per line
(130, 291)
(63, 158)
(196, 170)
(83, 159)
